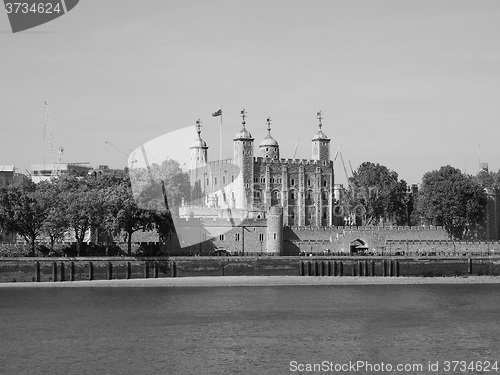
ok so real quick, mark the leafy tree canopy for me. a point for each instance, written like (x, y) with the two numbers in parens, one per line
(454, 199)
(376, 194)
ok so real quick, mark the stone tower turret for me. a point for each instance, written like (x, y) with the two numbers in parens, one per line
(198, 158)
(320, 144)
(269, 147)
(243, 159)
(274, 239)
(198, 150)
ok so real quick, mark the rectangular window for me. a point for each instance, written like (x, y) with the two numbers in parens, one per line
(237, 237)
(221, 237)
(274, 235)
(261, 237)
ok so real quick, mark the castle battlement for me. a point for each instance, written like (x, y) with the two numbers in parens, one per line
(221, 162)
(260, 160)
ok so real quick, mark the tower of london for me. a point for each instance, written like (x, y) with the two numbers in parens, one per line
(249, 185)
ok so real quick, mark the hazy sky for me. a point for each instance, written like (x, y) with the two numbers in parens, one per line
(413, 85)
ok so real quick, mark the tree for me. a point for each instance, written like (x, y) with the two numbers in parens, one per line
(124, 214)
(454, 199)
(24, 211)
(56, 223)
(159, 183)
(160, 189)
(375, 194)
(487, 179)
(85, 205)
(3, 212)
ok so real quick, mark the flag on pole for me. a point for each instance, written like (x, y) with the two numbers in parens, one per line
(217, 113)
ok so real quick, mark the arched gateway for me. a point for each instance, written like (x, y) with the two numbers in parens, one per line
(358, 247)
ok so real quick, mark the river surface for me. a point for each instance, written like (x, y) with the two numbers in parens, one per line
(246, 330)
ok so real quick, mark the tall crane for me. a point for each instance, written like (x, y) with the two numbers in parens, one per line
(47, 134)
(343, 163)
(296, 148)
(123, 153)
(116, 148)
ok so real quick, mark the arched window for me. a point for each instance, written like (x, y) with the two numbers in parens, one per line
(275, 198)
(309, 197)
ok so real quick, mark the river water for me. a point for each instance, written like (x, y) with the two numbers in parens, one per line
(246, 330)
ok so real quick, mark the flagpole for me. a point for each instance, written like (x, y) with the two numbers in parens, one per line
(220, 140)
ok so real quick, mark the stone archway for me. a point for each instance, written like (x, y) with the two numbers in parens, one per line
(358, 247)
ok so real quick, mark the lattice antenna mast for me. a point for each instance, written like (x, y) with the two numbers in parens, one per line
(47, 134)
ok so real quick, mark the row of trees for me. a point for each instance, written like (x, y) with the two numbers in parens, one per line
(103, 203)
(122, 203)
(446, 196)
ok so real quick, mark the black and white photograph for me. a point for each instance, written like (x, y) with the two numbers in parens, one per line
(250, 187)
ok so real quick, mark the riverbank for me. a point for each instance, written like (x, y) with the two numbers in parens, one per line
(217, 281)
(111, 268)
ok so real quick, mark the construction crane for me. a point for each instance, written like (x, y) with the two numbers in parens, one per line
(350, 166)
(345, 169)
(47, 134)
(296, 148)
(116, 148)
(343, 164)
(55, 169)
(134, 160)
(336, 154)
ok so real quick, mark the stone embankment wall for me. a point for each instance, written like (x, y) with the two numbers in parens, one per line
(75, 269)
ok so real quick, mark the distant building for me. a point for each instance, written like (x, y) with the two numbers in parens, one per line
(102, 169)
(8, 175)
(43, 172)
